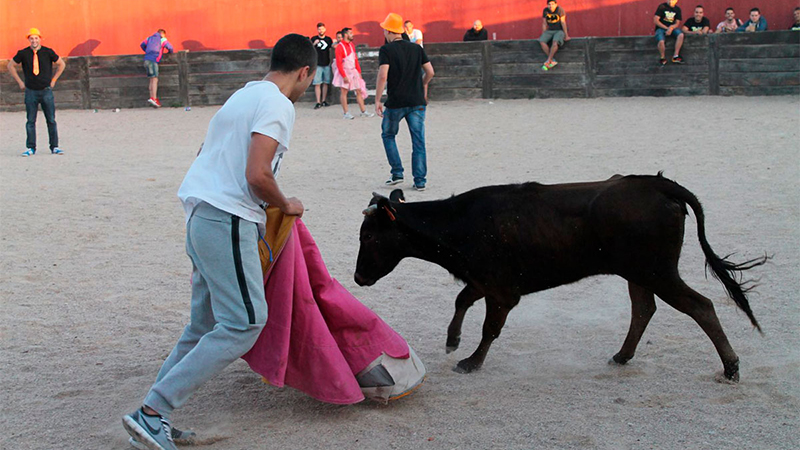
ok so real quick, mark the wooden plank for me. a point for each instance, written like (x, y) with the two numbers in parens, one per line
(458, 71)
(487, 70)
(653, 92)
(105, 82)
(760, 65)
(136, 69)
(449, 83)
(228, 55)
(760, 38)
(525, 69)
(438, 94)
(643, 43)
(227, 88)
(223, 78)
(759, 79)
(535, 57)
(252, 65)
(453, 48)
(530, 93)
(455, 60)
(543, 80)
(759, 90)
(759, 51)
(183, 78)
(646, 67)
(652, 81)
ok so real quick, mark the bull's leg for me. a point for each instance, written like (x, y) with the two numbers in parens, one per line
(686, 300)
(466, 298)
(643, 306)
(496, 314)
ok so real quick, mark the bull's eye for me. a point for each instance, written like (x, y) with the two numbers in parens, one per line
(367, 237)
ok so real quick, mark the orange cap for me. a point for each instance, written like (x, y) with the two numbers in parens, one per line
(393, 23)
(33, 31)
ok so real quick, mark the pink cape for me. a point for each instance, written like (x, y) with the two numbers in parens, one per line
(317, 336)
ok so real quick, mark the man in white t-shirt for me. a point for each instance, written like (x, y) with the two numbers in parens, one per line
(223, 194)
(414, 35)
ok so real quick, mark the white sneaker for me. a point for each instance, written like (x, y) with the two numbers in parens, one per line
(348, 116)
(388, 378)
(366, 114)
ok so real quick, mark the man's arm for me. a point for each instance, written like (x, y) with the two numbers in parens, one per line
(60, 66)
(383, 74)
(419, 39)
(260, 178)
(426, 79)
(564, 26)
(12, 69)
(657, 21)
(169, 47)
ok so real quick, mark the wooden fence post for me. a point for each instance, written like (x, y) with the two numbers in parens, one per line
(486, 70)
(183, 77)
(713, 65)
(591, 66)
(86, 98)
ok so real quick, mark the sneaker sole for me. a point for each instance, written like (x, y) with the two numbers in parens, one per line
(140, 435)
(136, 444)
(393, 182)
(410, 391)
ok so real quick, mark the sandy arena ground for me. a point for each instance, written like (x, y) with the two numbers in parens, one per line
(94, 282)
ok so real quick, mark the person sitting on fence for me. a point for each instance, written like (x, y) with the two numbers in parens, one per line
(154, 47)
(756, 22)
(668, 23)
(414, 35)
(554, 32)
(730, 24)
(476, 33)
(347, 77)
(796, 25)
(697, 24)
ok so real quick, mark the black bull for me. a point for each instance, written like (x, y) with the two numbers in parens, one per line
(507, 241)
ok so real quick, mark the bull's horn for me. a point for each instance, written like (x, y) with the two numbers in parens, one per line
(375, 194)
(370, 210)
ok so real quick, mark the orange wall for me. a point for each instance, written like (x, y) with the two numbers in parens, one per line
(104, 27)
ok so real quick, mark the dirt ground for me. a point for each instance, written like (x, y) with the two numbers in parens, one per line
(94, 281)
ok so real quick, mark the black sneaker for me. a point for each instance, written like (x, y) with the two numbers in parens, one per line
(419, 187)
(677, 59)
(318, 106)
(663, 61)
(325, 104)
(394, 180)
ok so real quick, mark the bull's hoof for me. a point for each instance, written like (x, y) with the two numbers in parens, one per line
(466, 366)
(452, 344)
(731, 373)
(619, 360)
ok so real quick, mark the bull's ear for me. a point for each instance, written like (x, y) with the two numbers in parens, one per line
(375, 198)
(385, 209)
(397, 196)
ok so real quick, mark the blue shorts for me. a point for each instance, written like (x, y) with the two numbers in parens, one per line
(323, 75)
(661, 34)
(151, 67)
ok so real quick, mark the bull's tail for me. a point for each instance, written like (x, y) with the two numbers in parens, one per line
(728, 273)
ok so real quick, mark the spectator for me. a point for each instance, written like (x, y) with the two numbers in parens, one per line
(554, 32)
(476, 33)
(154, 47)
(730, 24)
(348, 74)
(668, 23)
(337, 40)
(414, 36)
(224, 193)
(796, 25)
(323, 75)
(756, 22)
(400, 69)
(37, 67)
(697, 24)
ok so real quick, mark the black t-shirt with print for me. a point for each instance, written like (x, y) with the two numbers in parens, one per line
(554, 18)
(323, 46)
(693, 25)
(46, 59)
(404, 83)
(668, 15)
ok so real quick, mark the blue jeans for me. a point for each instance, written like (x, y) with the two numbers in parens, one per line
(32, 101)
(661, 34)
(415, 118)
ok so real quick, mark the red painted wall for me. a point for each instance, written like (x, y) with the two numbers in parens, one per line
(105, 27)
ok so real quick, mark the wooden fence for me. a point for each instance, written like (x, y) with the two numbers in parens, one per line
(765, 63)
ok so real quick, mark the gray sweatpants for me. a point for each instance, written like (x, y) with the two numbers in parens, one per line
(228, 306)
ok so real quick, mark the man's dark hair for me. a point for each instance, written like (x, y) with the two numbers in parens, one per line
(699, 6)
(756, 10)
(729, 9)
(161, 30)
(293, 52)
(320, 24)
(345, 30)
(551, 1)
(797, 9)
(406, 22)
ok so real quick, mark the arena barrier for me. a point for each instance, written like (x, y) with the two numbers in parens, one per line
(766, 63)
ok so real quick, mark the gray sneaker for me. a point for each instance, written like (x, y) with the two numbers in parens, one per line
(154, 432)
(178, 436)
(348, 116)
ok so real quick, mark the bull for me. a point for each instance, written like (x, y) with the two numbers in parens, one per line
(507, 241)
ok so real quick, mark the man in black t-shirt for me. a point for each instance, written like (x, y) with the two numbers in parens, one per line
(697, 24)
(400, 68)
(796, 25)
(554, 32)
(323, 75)
(37, 66)
(668, 23)
(476, 33)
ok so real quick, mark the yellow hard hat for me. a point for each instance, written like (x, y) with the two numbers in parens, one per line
(393, 23)
(33, 31)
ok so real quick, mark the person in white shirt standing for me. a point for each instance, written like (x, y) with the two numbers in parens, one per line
(224, 195)
(414, 35)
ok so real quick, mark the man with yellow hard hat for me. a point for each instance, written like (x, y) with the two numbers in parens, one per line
(37, 65)
(401, 66)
